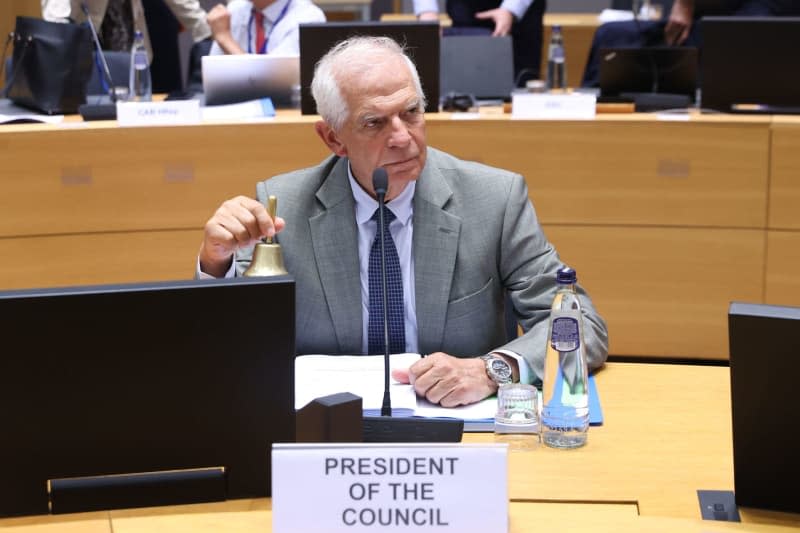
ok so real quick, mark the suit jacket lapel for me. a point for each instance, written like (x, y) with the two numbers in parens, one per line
(335, 242)
(436, 234)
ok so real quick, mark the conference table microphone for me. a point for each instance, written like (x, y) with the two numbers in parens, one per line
(384, 428)
(380, 184)
(99, 111)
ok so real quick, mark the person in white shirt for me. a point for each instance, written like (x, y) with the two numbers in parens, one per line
(236, 27)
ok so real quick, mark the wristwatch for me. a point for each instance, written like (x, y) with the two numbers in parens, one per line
(497, 368)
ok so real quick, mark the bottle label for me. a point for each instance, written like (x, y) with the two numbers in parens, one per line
(566, 335)
(140, 60)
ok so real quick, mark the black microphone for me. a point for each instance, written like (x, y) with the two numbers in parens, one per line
(99, 111)
(384, 428)
(380, 183)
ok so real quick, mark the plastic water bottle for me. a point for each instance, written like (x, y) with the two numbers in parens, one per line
(140, 83)
(556, 63)
(565, 399)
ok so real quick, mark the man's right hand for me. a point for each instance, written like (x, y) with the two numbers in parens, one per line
(238, 223)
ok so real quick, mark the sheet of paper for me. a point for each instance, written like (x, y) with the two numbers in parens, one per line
(321, 375)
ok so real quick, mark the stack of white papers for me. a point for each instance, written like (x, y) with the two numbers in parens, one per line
(362, 375)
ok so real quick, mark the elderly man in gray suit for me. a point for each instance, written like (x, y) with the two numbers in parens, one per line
(465, 235)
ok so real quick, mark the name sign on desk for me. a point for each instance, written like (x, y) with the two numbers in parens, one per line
(411, 487)
(553, 106)
(172, 112)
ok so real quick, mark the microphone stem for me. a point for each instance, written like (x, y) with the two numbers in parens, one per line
(386, 407)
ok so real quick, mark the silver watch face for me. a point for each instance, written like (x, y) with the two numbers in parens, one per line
(499, 370)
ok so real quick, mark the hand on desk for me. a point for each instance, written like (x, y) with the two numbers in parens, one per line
(447, 380)
(238, 223)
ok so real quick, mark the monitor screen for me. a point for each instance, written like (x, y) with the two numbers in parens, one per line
(421, 40)
(765, 365)
(182, 377)
(751, 64)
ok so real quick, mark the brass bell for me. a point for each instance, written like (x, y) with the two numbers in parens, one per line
(267, 257)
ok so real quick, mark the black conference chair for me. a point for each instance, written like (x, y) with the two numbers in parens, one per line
(119, 65)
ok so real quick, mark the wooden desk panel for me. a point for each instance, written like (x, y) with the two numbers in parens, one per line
(87, 259)
(665, 289)
(784, 191)
(783, 268)
(622, 172)
(122, 179)
(96, 522)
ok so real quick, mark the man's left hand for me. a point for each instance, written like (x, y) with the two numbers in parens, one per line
(503, 19)
(447, 380)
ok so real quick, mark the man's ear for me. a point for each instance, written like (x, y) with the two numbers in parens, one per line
(330, 138)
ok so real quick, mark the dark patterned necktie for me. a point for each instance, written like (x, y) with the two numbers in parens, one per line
(394, 292)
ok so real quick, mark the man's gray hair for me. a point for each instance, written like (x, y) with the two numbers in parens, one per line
(355, 55)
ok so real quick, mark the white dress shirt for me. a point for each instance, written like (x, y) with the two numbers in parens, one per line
(284, 37)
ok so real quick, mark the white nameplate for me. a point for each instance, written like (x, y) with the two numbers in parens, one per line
(388, 487)
(158, 113)
(553, 106)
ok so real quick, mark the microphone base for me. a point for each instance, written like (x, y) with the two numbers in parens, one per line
(412, 429)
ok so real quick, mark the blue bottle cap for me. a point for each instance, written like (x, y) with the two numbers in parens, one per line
(566, 276)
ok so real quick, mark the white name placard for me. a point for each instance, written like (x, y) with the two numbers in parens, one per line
(553, 106)
(407, 487)
(167, 113)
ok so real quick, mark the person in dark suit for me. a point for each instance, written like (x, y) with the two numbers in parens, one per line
(465, 235)
(680, 28)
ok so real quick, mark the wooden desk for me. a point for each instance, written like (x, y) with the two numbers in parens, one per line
(667, 220)
(666, 433)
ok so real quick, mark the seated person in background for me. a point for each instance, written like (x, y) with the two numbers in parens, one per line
(260, 26)
(520, 18)
(462, 236)
(680, 28)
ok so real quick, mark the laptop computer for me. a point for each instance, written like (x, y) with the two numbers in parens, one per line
(764, 367)
(421, 40)
(750, 64)
(144, 394)
(228, 79)
(479, 65)
(659, 69)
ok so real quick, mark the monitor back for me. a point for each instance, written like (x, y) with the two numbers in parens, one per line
(421, 40)
(479, 65)
(153, 378)
(764, 368)
(751, 64)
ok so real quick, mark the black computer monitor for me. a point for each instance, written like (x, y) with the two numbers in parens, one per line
(751, 64)
(658, 69)
(421, 40)
(175, 390)
(764, 368)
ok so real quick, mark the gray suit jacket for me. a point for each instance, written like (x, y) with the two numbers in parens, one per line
(476, 236)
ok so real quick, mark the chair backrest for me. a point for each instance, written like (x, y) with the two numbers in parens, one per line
(119, 64)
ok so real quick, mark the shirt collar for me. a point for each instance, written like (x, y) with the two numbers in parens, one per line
(366, 204)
